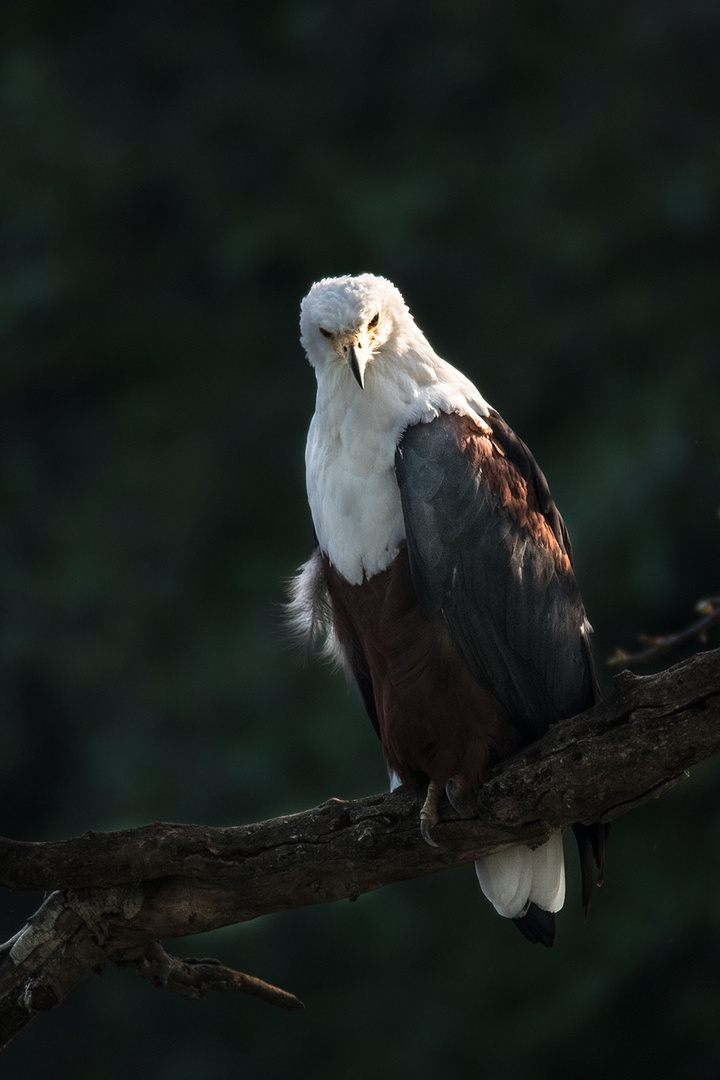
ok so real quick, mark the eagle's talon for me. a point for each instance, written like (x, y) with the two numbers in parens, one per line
(429, 812)
(426, 833)
(460, 797)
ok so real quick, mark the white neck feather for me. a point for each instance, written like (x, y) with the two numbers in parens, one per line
(350, 456)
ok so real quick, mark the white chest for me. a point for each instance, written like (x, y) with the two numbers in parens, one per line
(352, 490)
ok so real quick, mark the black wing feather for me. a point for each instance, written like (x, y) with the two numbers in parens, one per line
(515, 615)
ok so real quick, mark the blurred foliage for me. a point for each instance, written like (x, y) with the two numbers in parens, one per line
(541, 180)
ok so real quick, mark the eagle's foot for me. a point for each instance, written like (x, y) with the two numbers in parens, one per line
(461, 796)
(429, 812)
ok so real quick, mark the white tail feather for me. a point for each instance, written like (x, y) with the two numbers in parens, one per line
(548, 867)
(515, 878)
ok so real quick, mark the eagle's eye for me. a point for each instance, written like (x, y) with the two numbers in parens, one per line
(374, 321)
(324, 332)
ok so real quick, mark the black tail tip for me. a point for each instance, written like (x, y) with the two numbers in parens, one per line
(537, 925)
(591, 841)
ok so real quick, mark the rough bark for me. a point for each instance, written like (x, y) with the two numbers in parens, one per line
(115, 895)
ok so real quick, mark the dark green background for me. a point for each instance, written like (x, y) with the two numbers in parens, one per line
(541, 181)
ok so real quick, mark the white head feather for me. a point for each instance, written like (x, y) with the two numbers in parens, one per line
(346, 305)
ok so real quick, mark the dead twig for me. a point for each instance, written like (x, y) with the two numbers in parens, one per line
(194, 978)
(659, 644)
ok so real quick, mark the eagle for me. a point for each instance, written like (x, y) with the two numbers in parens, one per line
(442, 577)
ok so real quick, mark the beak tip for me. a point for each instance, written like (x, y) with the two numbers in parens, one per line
(357, 368)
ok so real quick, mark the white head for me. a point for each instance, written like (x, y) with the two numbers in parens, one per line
(350, 319)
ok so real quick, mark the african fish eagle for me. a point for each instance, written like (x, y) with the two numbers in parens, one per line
(442, 579)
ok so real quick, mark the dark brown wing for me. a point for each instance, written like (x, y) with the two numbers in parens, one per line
(488, 549)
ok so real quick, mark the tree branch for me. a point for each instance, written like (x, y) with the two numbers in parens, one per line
(117, 894)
